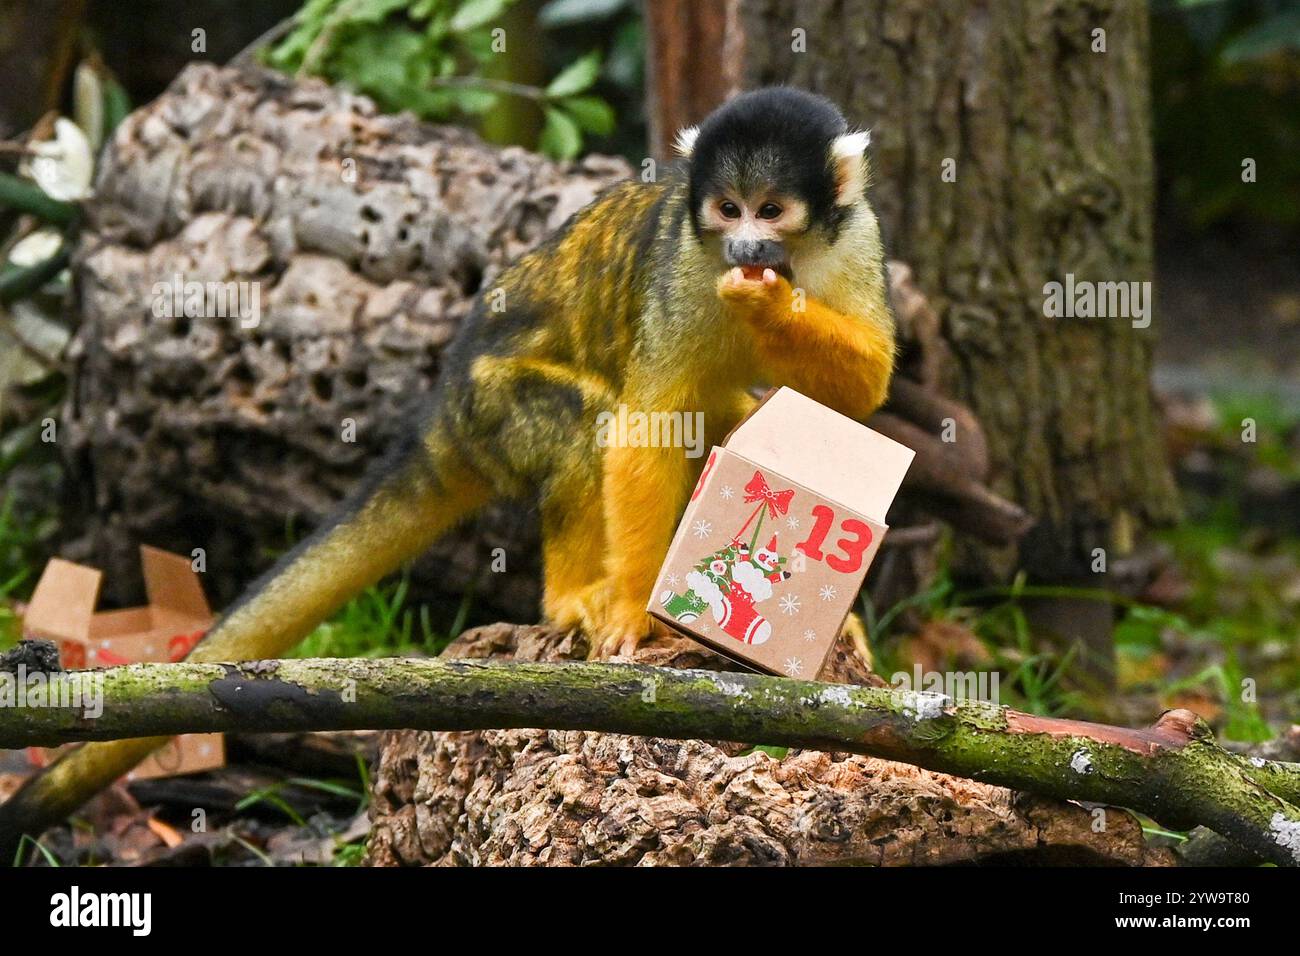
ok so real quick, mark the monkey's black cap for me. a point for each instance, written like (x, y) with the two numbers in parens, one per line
(778, 136)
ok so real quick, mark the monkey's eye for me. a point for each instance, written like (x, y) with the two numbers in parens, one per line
(729, 209)
(769, 210)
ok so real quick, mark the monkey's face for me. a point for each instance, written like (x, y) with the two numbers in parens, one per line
(771, 174)
(752, 228)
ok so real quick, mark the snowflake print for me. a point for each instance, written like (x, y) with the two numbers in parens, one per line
(810, 635)
(793, 666)
(727, 493)
(702, 528)
(790, 604)
(792, 523)
(673, 580)
(827, 593)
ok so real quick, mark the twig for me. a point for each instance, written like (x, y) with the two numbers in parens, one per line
(535, 93)
(249, 53)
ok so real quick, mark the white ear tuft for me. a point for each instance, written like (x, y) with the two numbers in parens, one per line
(848, 153)
(851, 144)
(685, 143)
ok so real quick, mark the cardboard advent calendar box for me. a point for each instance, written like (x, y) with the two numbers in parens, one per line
(778, 534)
(62, 609)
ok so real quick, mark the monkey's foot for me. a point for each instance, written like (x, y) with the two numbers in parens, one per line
(613, 629)
(583, 609)
(621, 632)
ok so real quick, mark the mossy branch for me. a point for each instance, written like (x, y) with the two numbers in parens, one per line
(1173, 771)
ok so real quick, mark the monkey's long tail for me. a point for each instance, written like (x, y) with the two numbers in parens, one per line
(397, 513)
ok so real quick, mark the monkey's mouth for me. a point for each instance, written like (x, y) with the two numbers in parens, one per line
(755, 272)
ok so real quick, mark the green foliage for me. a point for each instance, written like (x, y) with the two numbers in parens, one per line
(776, 753)
(25, 529)
(380, 623)
(442, 60)
(37, 847)
(1034, 672)
(349, 854)
(1225, 81)
(270, 795)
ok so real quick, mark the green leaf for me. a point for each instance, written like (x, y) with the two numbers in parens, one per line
(593, 114)
(576, 77)
(88, 103)
(309, 21)
(117, 105)
(479, 44)
(476, 13)
(372, 11)
(1272, 35)
(27, 197)
(567, 13)
(625, 64)
(561, 137)
(389, 62)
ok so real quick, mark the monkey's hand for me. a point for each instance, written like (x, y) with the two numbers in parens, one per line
(843, 361)
(755, 294)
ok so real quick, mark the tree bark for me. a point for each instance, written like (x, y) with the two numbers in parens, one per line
(1052, 151)
(678, 92)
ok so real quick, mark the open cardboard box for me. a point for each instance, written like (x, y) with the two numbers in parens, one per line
(778, 534)
(62, 609)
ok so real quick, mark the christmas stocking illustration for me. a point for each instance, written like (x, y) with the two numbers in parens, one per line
(705, 586)
(752, 578)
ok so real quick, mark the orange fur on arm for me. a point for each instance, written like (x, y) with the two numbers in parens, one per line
(839, 360)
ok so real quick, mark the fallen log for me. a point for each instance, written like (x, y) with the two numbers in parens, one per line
(1173, 771)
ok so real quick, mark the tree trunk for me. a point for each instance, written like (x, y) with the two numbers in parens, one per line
(1050, 145)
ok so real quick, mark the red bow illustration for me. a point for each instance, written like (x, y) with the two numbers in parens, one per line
(778, 502)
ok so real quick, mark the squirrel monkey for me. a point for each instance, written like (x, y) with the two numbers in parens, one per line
(756, 261)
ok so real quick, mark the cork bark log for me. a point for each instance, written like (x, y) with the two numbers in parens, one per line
(568, 798)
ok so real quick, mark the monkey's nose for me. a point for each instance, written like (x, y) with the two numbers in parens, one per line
(755, 252)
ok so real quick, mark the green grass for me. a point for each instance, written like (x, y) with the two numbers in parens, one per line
(1034, 672)
(380, 622)
(1038, 676)
(19, 545)
(1236, 623)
